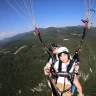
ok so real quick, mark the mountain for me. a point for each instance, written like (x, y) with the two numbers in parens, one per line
(22, 60)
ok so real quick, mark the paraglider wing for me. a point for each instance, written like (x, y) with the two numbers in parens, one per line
(91, 10)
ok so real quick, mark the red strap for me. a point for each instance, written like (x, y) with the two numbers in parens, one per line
(37, 31)
(85, 23)
(64, 79)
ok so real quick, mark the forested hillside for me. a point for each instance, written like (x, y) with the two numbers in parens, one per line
(22, 60)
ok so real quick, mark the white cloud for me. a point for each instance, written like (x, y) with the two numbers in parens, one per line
(49, 26)
(8, 34)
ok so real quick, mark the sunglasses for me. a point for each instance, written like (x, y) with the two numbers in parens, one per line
(53, 49)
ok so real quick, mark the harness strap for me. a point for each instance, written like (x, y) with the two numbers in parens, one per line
(65, 90)
(68, 69)
(70, 65)
(68, 89)
(54, 88)
(60, 66)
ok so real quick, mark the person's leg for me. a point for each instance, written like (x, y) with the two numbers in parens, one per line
(78, 86)
(49, 83)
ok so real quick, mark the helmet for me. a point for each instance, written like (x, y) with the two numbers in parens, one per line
(52, 46)
(62, 50)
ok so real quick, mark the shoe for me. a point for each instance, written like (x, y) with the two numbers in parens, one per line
(80, 95)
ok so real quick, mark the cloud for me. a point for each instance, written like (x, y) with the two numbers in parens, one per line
(8, 34)
(49, 26)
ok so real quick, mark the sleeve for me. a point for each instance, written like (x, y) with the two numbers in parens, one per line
(56, 66)
(50, 60)
(48, 65)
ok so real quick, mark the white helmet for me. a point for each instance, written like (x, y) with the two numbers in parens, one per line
(62, 49)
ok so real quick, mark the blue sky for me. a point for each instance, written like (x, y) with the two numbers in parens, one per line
(59, 13)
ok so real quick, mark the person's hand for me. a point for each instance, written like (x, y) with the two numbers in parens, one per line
(77, 68)
(47, 71)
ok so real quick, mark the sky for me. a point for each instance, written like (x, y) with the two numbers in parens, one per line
(57, 13)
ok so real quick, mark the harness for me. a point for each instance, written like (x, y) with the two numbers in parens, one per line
(68, 67)
(67, 71)
(62, 74)
(67, 74)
